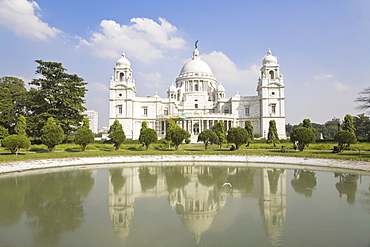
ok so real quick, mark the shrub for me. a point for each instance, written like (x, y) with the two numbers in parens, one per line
(15, 142)
(51, 134)
(345, 138)
(238, 135)
(303, 136)
(84, 136)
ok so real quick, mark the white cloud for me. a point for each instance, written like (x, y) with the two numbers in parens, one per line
(97, 87)
(323, 76)
(19, 16)
(144, 39)
(329, 80)
(340, 86)
(227, 72)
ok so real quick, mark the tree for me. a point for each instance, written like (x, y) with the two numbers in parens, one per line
(147, 135)
(51, 134)
(249, 127)
(331, 129)
(238, 135)
(364, 99)
(58, 95)
(207, 136)
(348, 124)
(272, 136)
(21, 126)
(362, 125)
(116, 134)
(318, 130)
(3, 133)
(219, 129)
(169, 125)
(344, 138)
(13, 97)
(15, 142)
(304, 136)
(84, 135)
(307, 123)
(176, 134)
(289, 128)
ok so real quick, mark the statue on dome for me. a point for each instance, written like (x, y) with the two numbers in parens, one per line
(196, 44)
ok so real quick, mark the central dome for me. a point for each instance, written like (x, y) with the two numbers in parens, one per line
(196, 65)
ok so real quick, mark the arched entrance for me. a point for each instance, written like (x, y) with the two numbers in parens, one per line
(196, 129)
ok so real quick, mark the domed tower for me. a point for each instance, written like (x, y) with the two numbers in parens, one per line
(196, 84)
(271, 93)
(121, 91)
(220, 91)
(172, 92)
(122, 78)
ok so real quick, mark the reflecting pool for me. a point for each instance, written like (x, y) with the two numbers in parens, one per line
(185, 205)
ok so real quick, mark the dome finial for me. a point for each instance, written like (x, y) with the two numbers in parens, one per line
(269, 52)
(196, 52)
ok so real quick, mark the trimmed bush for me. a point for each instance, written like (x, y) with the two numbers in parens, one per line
(15, 142)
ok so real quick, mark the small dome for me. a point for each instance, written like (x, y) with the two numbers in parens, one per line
(196, 65)
(220, 88)
(269, 59)
(123, 62)
(172, 88)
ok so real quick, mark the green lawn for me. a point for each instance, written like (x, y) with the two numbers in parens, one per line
(359, 151)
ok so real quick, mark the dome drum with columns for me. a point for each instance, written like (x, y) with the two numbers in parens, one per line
(197, 101)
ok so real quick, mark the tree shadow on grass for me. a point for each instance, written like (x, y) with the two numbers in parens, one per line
(73, 150)
(12, 154)
(359, 155)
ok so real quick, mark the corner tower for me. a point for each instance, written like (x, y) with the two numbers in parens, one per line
(122, 91)
(271, 93)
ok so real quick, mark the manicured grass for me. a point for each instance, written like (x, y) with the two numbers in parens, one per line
(318, 150)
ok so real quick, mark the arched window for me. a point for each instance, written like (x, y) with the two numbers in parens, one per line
(271, 74)
(121, 76)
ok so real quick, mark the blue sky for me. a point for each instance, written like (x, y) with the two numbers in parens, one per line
(322, 46)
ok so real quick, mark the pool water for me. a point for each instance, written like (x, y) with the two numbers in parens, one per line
(185, 205)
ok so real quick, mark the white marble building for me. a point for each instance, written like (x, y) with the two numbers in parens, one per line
(93, 117)
(196, 101)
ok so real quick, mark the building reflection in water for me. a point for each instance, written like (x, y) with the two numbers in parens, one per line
(196, 194)
(272, 202)
(124, 187)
